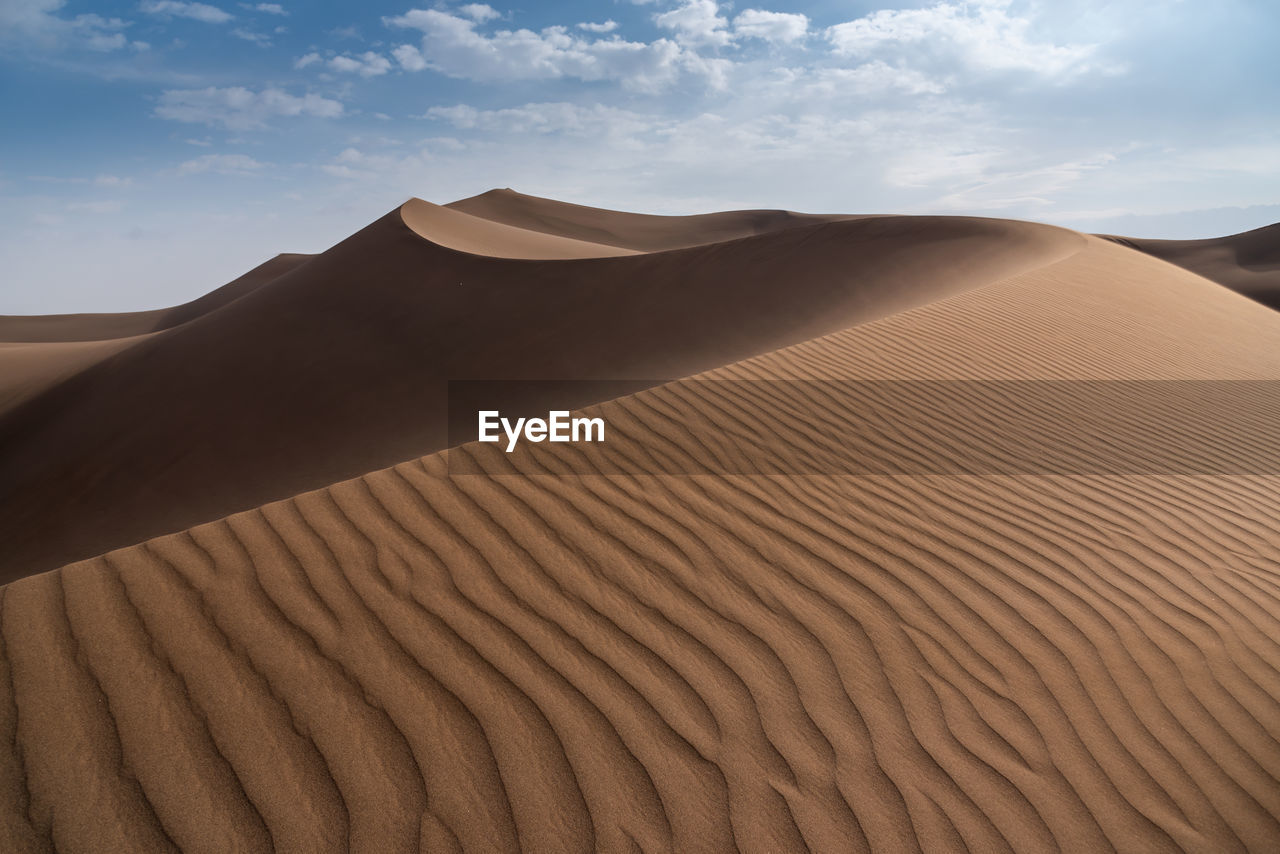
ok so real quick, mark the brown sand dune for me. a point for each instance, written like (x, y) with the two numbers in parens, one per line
(30, 369)
(454, 229)
(641, 232)
(1248, 263)
(412, 661)
(339, 365)
(101, 327)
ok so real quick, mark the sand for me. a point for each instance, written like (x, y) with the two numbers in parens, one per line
(1248, 263)
(339, 365)
(641, 232)
(410, 660)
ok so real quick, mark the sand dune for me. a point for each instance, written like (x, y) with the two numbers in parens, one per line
(417, 661)
(29, 369)
(479, 236)
(339, 365)
(101, 327)
(641, 232)
(1248, 263)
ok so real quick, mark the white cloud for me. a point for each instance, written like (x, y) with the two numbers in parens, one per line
(873, 78)
(34, 25)
(452, 46)
(790, 146)
(259, 39)
(221, 164)
(112, 181)
(977, 34)
(1025, 189)
(271, 9)
(105, 41)
(194, 11)
(606, 27)
(308, 59)
(479, 12)
(409, 57)
(368, 64)
(780, 27)
(546, 118)
(696, 22)
(352, 164)
(239, 108)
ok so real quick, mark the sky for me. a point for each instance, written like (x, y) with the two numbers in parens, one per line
(151, 151)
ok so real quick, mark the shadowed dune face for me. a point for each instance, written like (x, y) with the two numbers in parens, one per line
(103, 327)
(1247, 263)
(30, 369)
(413, 661)
(339, 365)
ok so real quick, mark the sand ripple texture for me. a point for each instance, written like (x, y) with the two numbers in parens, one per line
(411, 661)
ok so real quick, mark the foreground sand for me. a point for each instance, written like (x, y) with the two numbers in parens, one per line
(414, 661)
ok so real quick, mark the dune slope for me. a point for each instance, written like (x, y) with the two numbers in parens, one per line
(412, 661)
(642, 232)
(339, 365)
(101, 327)
(453, 229)
(1248, 263)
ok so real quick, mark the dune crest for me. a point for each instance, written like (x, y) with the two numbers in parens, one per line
(639, 232)
(465, 233)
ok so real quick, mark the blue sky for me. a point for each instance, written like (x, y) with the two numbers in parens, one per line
(153, 150)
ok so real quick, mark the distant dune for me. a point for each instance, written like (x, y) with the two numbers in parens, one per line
(1248, 263)
(312, 651)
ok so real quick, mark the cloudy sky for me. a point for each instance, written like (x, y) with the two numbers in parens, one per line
(153, 150)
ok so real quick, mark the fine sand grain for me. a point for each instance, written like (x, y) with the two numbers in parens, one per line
(410, 660)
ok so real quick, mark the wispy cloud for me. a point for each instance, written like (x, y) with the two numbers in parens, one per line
(545, 118)
(195, 11)
(221, 164)
(367, 64)
(30, 26)
(260, 39)
(973, 34)
(238, 108)
(1030, 188)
